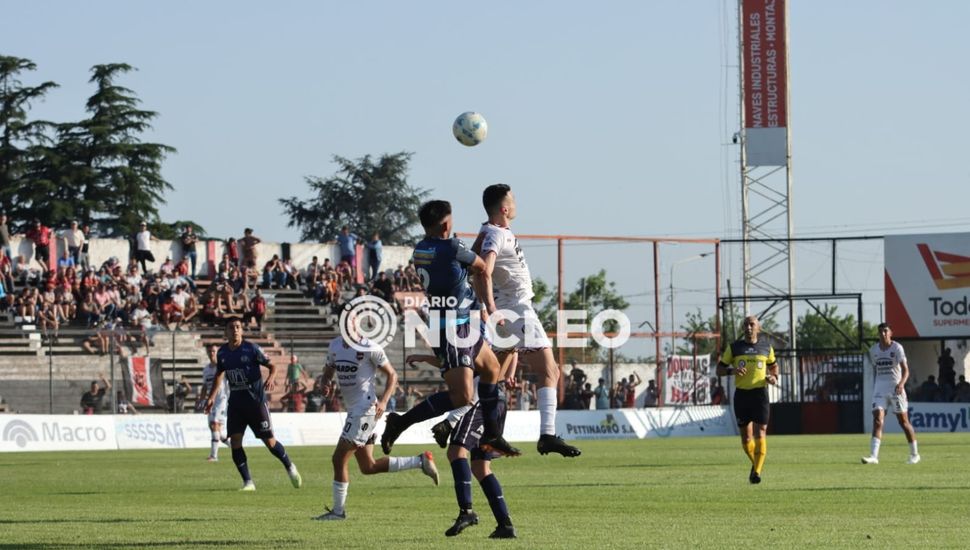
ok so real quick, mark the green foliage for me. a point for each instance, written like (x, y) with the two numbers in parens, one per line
(21, 141)
(593, 293)
(96, 171)
(697, 323)
(826, 329)
(682, 492)
(368, 196)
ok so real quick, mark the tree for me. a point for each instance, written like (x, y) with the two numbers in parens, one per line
(593, 293)
(697, 323)
(117, 177)
(825, 329)
(368, 196)
(20, 139)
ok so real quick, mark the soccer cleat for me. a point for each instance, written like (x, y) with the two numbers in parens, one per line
(499, 446)
(554, 444)
(441, 431)
(295, 478)
(331, 515)
(870, 460)
(212, 459)
(428, 467)
(754, 477)
(913, 459)
(249, 486)
(392, 429)
(464, 519)
(503, 532)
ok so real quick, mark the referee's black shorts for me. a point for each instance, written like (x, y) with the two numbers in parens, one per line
(751, 406)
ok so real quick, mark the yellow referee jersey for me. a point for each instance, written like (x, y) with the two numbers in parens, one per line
(755, 358)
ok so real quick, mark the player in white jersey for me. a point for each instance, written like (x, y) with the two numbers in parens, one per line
(891, 372)
(217, 416)
(356, 372)
(509, 289)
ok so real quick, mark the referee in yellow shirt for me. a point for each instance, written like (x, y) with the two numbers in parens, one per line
(752, 362)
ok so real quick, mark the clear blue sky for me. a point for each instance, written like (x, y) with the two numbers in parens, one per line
(610, 118)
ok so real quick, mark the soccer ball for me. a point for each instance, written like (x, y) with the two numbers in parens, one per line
(470, 128)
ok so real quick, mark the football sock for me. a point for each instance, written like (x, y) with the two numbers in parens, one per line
(455, 415)
(339, 496)
(488, 398)
(397, 463)
(462, 472)
(760, 450)
(239, 458)
(435, 404)
(496, 500)
(748, 447)
(874, 447)
(214, 445)
(546, 398)
(913, 450)
(280, 452)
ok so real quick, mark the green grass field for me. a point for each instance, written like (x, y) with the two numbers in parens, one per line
(667, 493)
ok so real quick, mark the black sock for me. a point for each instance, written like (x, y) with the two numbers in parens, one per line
(239, 458)
(488, 400)
(434, 405)
(280, 452)
(462, 473)
(496, 500)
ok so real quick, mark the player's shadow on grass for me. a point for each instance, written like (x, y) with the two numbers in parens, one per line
(154, 544)
(100, 520)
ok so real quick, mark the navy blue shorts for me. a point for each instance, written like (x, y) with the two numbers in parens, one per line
(249, 413)
(452, 356)
(470, 428)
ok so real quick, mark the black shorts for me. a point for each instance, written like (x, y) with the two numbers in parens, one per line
(470, 428)
(42, 252)
(249, 413)
(452, 356)
(751, 406)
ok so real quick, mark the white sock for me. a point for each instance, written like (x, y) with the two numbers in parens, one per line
(214, 450)
(913, 449)
(455, 415)
(398, 463)
(874, 447)
(339, 496)
(546, 398)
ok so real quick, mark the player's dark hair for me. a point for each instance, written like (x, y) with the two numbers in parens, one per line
(883, 325)
(231, 320)
(433, 212)
(493, 196)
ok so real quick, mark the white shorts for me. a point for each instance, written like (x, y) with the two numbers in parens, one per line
(359, 428)
(218, 411)
(522, 330)
(889, 401)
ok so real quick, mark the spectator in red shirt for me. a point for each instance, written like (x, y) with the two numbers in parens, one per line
(257, 310)
(295, 398)
(41, 237)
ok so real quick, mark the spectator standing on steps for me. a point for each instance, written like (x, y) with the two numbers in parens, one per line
(92, 401)
(348, 247)
(375, 254)
(143, 247)
(188, 240)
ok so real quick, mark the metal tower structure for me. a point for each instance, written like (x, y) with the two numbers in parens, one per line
(765, 138)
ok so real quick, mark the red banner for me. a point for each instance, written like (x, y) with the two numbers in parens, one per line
(764, 57)
(139, 372)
